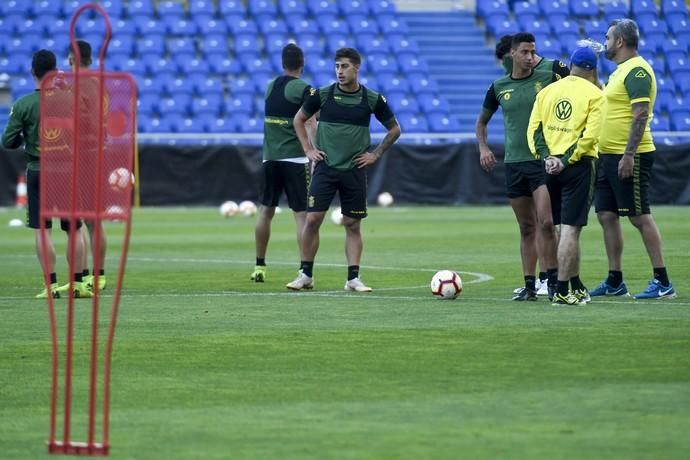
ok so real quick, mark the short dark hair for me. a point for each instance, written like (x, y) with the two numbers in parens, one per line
(350, 53)
(521, 37)
(42, 62)
(84, 52)
(293, 57)
(627, 30)
(503, 46)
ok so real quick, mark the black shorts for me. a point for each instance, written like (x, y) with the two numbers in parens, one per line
(524, 177)
(351, 185)
(284, 175)
(34, 208)
(572, 191)
(625, 197)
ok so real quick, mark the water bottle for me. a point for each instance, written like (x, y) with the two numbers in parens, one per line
(593, 44)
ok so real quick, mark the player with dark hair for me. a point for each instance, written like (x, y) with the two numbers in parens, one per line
(85, 60)
(525, 176)
(285, 167)
(341, 154)
(502, 52)
(23, 128)
(626, 157)
(564, 130)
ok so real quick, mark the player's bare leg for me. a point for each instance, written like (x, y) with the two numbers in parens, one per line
(525, 214)
(353, 252)
(309, 247)
(262, 234)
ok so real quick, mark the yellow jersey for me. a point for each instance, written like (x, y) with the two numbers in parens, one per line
(632, 81)
(566, 120)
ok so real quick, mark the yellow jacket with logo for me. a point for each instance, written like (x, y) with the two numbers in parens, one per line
(566, 120)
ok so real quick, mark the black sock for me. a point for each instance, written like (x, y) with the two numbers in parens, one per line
(576, 283)
(562, 287)
(352, 272)
(78, 277)
(543, 276)
(85, 272)
(552, 275)
(661, 275)
(53, 278)
(615, 278)
(530, 282)
(261, 261)
(307, 267)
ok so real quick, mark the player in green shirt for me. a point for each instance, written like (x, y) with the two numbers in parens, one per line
(341, 155)
(284, 167)
(525, 176)
(23, 129)
(502, 52)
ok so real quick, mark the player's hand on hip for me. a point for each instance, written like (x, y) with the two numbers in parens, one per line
(315, 155)
(625, 166)
(487, 160)
(365, 159)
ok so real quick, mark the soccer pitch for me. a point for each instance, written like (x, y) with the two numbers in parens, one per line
(208, 365)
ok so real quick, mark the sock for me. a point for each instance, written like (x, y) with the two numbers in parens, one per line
(661, 275)
(307, 267)
(543, 276)
(530, 282)
(552, 275)
(576, 283)
(352, 272)
(78, 277)
(53, 278)
(85, 272)
(615, 278)
(260, 261)
(562, 288)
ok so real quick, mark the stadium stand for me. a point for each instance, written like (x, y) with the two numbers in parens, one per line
(203, 64)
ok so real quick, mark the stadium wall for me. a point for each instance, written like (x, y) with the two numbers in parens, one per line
(435, 174)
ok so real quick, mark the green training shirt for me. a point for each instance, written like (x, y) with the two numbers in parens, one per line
(23, 128)
(547, 65)
(516, 98)
(284, 96)
(343, 131)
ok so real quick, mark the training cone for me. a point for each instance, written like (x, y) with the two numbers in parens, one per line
(21, 192)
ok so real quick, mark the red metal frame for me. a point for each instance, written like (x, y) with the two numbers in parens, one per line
(66, 445)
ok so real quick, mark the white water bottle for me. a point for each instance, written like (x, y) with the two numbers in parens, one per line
(593, 44)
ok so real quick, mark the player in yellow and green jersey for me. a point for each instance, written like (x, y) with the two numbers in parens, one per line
(525, 176)
(626, 156)
(284, 167)
(341, 155)
(564, 131)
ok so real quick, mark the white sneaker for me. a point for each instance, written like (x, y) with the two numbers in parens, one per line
(301, 282)
(542, 287)
(356, 284)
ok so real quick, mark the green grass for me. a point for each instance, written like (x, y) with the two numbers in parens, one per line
(208, 365)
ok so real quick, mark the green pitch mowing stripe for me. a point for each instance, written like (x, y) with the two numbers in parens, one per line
(210, 365)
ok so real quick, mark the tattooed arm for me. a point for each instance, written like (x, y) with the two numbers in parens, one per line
(640, 111)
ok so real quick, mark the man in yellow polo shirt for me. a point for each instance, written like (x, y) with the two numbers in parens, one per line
(625, 162)
(564, 130)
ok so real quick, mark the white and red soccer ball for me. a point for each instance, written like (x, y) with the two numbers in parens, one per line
(446, 284)
(120, 179)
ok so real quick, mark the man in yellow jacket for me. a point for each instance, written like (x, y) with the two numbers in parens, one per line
(564, 130)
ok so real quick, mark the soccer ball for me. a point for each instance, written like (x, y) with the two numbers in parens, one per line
(120, 179)
(247, 208)
(385, 199)
(337, 216)
(228, 209)
(446, 285)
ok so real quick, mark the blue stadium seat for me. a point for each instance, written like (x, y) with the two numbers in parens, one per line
(394, 85)
(261, 80)
(274, 43)
(155, 64)
(361, 25)
(262, 8)
(299, 25)
(401, 44)
(410, 122)
(170, 9)
(440, 123)
(683, 85)
(36, 26)
(568, 42)
(679, 26)
(550, 47)
(211, 25)
(661, 123)
(678, 104)
(121, 44)
(379, 7)
(499, 26)
(296, 7)
(350, 7)
(11, 24)
(220, 125)
(189, 66)
(525, 20)
(251, 125)
(670, 7)
(19, 7)
(421, 85)
(191, 125)
(208, 104)
(554, 8)
(409, 64)
(246, 43)
(180, 26)
(310, 43)
(674, 49)
(584, 8)
(231, 8)
(333, 25)
(268, 25)
(680, 121)
(496, 7)
(201, 8)
(664, 99)
(145, 25)
(140, 8)
(223, 65)
(537, 27)
(392, 25)
(320, 65)
(369, 44)
(678, 67)
(403, 103)
(181, 45)
(530, 7)
(322, 7)
(215, 44)
(430, 105)
(649, 44)
(151, 44)
(324, 79)
(643, 7)
(336, 41)
(241, 85)
(176, 103)
(253, 64)
(615, 9)
(240, 26)
(53, 9)
(207, 85)
(381, 63)
(567, 26)
(655, 26)
(595, 29)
